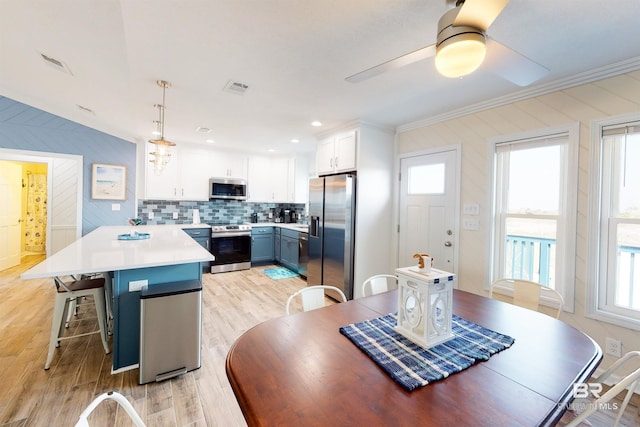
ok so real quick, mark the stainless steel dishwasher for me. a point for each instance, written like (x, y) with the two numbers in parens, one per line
(303, 253)
(170, 330)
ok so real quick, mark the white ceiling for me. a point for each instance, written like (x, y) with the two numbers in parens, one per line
(293, 54)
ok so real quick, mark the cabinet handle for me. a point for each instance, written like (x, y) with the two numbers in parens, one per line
(331, 163)
(336, 162)
(175, 191)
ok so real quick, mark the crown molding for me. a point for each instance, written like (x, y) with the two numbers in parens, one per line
(596, 74)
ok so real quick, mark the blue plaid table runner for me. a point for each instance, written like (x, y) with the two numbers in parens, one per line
(413, 366)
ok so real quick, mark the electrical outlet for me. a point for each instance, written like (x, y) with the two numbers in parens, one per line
(613, 347)
(151, 216)
(175, 215)
(138, 285)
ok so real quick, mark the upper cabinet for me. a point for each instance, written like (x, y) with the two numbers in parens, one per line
(337, 154)
(187, 174)
(268, 179)
(229, 165)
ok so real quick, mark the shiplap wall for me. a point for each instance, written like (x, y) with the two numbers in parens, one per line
(596, 100)
(23, 127)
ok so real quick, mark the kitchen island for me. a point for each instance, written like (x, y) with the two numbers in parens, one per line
(168, 255)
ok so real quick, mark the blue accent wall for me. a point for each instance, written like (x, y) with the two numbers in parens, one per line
(27, 128)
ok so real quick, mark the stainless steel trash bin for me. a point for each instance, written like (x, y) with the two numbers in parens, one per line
(170, 330)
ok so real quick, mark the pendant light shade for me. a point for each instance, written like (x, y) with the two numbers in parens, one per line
(162, 153)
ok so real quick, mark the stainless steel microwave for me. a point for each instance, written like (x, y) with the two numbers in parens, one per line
(227, 188)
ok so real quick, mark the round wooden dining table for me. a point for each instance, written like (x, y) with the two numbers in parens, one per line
(299, 370)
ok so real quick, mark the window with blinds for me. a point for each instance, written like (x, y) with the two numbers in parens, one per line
(615, 225)
(534, 209)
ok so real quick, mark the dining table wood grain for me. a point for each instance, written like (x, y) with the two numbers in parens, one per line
(299, 370)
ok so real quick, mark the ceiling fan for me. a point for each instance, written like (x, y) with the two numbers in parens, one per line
(462, 46)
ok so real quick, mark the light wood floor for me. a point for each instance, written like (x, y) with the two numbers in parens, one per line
(31, 396)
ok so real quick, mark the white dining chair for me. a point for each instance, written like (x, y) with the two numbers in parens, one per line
(628, 382)
(378, 284)
(122, 401)
(313, 297)
(528, 294)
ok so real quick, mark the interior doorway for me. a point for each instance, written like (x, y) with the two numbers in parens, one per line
(429, 200)
(49, 217)
(23, 220)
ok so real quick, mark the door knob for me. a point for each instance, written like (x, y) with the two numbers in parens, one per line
(447, 243)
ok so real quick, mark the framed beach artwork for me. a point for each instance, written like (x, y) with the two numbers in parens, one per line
(108, 182)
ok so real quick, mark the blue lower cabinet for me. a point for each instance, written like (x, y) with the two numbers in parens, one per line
(203, 237)
(126, 306)
(262, 244)
(289, 249)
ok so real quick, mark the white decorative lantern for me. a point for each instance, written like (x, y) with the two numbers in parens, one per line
(424, 305)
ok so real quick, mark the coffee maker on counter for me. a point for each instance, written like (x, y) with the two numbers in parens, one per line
(286, 216)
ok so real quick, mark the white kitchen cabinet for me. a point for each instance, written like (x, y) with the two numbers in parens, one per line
(195, 166)
(227, 165)
(337, 154)
(268, 179)
(185, 177)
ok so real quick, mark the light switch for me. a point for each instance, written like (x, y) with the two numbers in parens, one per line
(471, 224)
(471, 209)
(115, 206)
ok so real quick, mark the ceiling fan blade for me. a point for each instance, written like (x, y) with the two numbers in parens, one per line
(510, 65)
(401, 61)
(479, 13)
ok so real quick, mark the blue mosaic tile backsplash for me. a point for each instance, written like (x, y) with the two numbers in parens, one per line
(215, 212)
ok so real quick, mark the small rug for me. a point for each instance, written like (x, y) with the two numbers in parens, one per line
(412, 366)
(277, 273)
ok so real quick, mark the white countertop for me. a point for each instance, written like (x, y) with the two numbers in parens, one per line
(291, 226)
(101, 251)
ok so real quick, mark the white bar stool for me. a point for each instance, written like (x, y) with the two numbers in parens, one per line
(68, 293)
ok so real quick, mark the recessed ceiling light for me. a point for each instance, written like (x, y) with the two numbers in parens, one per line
(271, 150)
(295, 141)
(210, 141)
(155, 132)
(203, 129)
(316, 123)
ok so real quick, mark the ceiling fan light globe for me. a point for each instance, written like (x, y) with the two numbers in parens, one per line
(460, 55)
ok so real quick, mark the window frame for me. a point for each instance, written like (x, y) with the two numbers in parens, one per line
(599, 249)
(567, 210)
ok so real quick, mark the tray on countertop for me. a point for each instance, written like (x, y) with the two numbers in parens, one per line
(137, 236)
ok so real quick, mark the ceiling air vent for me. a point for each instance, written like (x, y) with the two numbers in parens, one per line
(235, 87)
(85, 109)
(56, 63)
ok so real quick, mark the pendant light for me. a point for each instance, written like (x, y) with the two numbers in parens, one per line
(162, 152)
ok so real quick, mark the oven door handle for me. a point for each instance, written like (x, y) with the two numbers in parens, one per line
(238, 234)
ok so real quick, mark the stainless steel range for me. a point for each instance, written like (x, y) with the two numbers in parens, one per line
(231, 245)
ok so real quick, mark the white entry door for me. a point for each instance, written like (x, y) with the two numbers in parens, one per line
(428, 220)
(10, 207)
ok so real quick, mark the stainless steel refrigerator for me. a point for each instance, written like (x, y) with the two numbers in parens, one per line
(332, 204)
